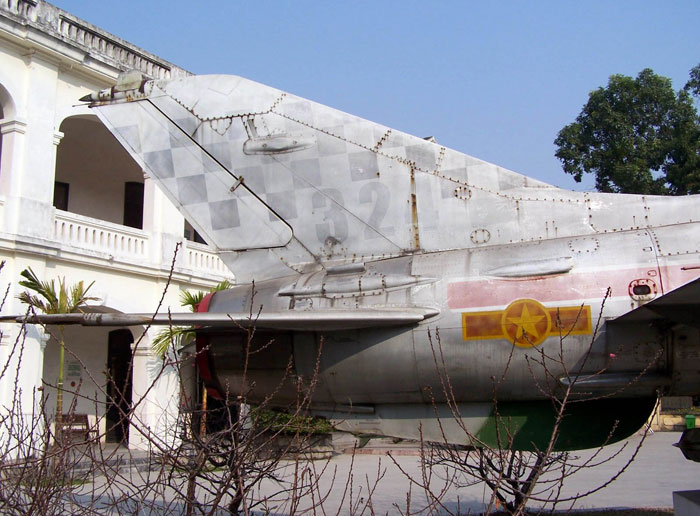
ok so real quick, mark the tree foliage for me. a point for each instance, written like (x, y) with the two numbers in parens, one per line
(50, 300)
(636, 135)
(174, 335)
(693, 85)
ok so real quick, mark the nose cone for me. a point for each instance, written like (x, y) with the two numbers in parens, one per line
(129, 85)
(97, 96)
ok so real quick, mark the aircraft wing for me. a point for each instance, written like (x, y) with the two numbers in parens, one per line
(680, 306)
(328, 320)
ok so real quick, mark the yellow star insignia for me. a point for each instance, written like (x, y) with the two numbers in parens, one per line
(526, 323)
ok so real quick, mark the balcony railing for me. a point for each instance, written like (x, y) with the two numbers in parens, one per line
(101, 45)
(128, 244)
(101, 236)
(200, 258)
(23, 8)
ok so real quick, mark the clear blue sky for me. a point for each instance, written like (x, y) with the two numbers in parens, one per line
(496, 80)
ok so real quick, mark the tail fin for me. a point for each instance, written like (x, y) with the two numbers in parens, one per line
(289, 183)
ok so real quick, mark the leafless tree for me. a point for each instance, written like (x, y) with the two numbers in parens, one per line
(519, 480)
(227, 458)
(211, 461)
(223, 461)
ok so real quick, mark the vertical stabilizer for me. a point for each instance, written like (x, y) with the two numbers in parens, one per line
(292, 183)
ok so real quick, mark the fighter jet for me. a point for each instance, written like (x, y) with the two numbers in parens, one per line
(411, 266)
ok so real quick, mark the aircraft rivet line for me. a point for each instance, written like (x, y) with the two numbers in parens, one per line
(381, 141)
(277, 102)
(377, 150)
(440, 159)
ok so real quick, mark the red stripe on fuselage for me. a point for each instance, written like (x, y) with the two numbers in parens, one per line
(566, 287)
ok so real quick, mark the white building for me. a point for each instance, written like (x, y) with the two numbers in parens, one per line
(73, 204)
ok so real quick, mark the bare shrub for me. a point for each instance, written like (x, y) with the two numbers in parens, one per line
(211, 461)
(234, 456)
(521, 479)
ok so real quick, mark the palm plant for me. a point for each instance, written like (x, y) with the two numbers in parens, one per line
(50, 300)
(174, 335)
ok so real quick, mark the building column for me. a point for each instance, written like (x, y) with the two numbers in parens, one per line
(13, 132)
(155, 398)
(22, 359)
(6, 336)
(164, 222)
(141, 422)
(22, 350)
(32, 194)
(11, 166)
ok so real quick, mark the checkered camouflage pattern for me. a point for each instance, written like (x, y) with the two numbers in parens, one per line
(254, 168)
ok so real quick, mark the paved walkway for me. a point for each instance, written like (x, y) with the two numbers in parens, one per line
(658, 470)
(347, 481)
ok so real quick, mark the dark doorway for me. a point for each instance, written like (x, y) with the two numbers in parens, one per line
(133, 204)
(119, 365)
(60, 195)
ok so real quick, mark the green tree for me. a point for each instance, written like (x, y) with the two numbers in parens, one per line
(693, 84)
(50, 300)
(636, 135)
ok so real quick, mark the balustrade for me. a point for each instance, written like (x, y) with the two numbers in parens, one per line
(96, 235)
(55, 21)
(23, 8)
(127, 244)
(200, 258)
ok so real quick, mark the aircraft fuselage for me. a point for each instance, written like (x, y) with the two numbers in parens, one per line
(483, 280)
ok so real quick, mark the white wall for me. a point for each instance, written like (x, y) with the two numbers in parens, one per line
(39, 88)
(87, 349)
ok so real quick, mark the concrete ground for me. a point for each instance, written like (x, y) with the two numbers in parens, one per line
(371, 482)
(658, 470)
(649, 481)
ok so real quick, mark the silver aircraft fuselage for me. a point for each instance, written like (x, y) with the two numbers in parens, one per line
(407, 266)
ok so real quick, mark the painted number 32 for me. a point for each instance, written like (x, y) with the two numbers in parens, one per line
(335, 212)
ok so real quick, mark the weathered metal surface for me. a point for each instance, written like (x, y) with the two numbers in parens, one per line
(339, 214)
(544, 267)
(317, 319)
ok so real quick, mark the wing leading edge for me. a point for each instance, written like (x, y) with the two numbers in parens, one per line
(327, 320)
